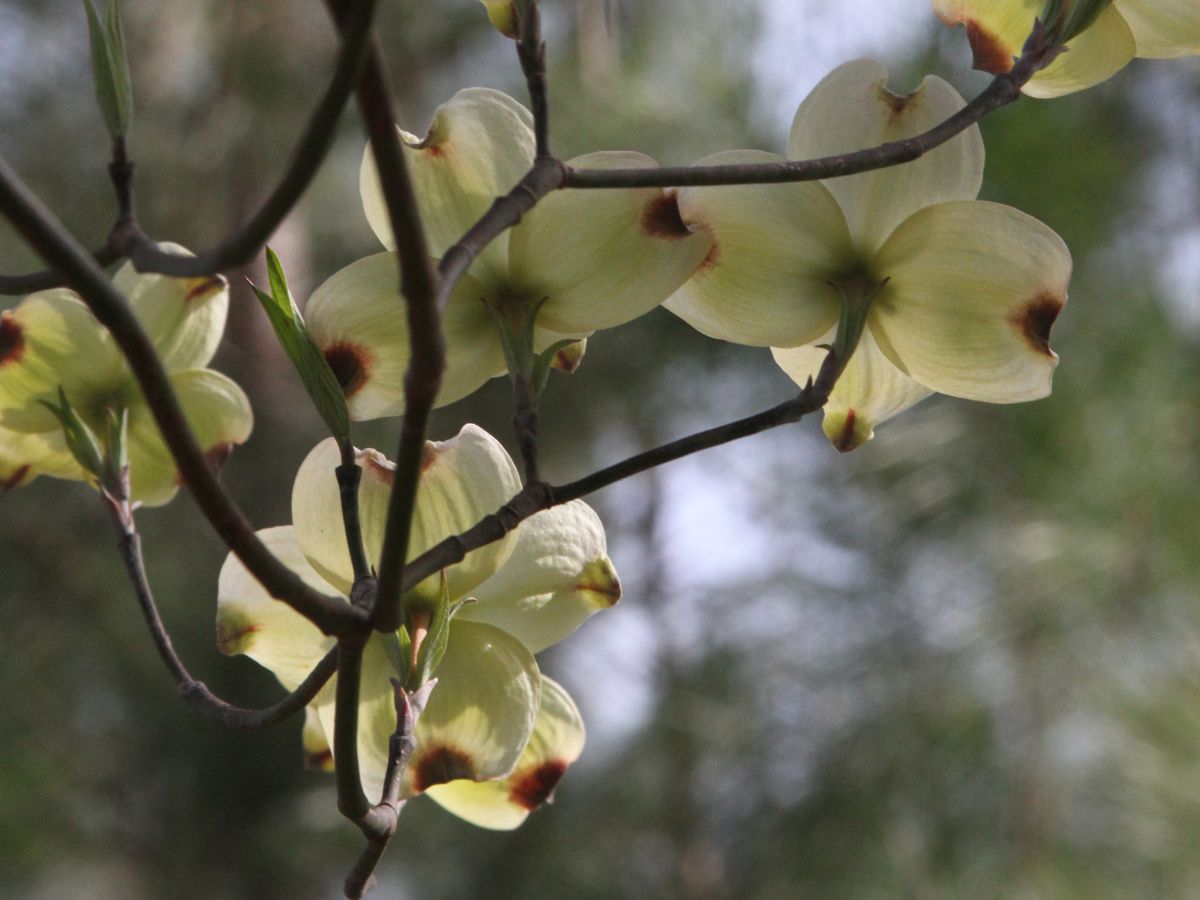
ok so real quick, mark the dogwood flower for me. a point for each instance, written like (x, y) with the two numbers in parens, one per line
(51, 340)
(960, 294)
(496, 734)
(997, 29)
(576, 263)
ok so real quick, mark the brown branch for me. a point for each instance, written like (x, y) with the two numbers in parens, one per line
(62, 252)
(531, 51)
(241, 247)
(537, 496)
(349, 476)
(193, 691)
(418, 284)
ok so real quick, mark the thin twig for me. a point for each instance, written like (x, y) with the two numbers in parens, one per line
(349, 476)
(352, 802)
(62, 252)
(525, 424)
(537, 495)
(193, 691)
(244, 244)
(531, 51)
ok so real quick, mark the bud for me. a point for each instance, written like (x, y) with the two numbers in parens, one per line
(505, 15)
(110, 68)
(79, 438)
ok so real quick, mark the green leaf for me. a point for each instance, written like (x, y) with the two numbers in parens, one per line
(1066, 19)
(318, 378)
(116, 455)
(80, 440)
(544, 363)
(110, 67)
(433, 647)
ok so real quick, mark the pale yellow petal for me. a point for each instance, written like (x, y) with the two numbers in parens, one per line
(853, 109)
(597, 259)
(482, 712)
(556, 743)
(26, 455)
(559, 574)
(251, 622)
(219, 414)
(973, 292)
(478, 147)
(775, 249)
(318, 755)
(462, 480)
(51, 340)
(358, 320)
(1163, 28)
(869, 391)
(184, 317)
(1094, 56)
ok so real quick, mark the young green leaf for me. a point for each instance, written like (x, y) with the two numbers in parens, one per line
(80, 440)
(110, 68)
(318, 378)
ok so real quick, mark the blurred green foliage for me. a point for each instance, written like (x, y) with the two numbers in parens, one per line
(959, 663)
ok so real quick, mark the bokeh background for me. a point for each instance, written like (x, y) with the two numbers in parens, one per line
(959, 662)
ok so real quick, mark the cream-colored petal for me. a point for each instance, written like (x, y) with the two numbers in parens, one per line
(482, 712)
(318, 755)
(184, 317)
(556, 743)
(775, 250)
(462, 480)
(26, 455)
(219, 414)
(597, 259)
(559, 574)
(51, 339)
(1163, 28)
(974, 289)
(251, 622)
(852, 109)
(478, 147)
(358, 320)
(1094, 56)
(869, 391)
(997, 30)
(376, 714)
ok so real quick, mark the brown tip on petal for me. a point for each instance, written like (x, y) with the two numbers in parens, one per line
(661, 217)
(12, 345)
(600, 579)
(15, 480)
(320, 761)
(439, 765)
(990, 53)
(845, 440)
(231, 638)
(218, 454)
(351, 365)
(429, 455)
(201, 288)
(1036, 318)
(533, 787)
(714, 254)
(375, 465)
(897, 103)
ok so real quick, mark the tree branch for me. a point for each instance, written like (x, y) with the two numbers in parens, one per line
(537, 496)
(418, 284)
(242, 246)
(531, 51)
(63, 253)
(194, 692)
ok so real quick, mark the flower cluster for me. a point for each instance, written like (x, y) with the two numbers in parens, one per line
(52, 342)
(496, 735)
